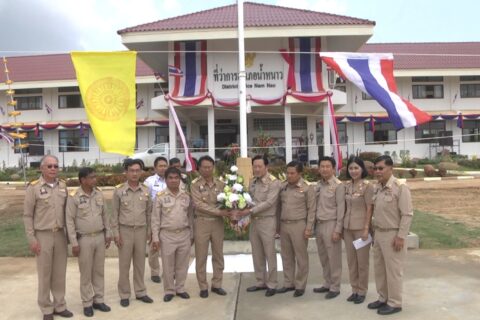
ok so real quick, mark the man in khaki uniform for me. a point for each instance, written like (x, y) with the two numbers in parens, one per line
(329, 225)
(44, 219)
(172, 231)
(88, 226)
(297, 201)
(392, 217)
(264, 189)
(156, 183)
(208, 226)
(132, 208)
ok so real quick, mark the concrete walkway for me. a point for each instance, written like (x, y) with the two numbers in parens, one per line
(439, 285)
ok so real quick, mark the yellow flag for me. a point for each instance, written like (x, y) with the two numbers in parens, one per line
(107, 85)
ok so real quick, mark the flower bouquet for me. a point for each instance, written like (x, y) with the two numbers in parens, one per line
(235, 197)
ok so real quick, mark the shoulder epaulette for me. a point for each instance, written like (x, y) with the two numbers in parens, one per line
(120, 185)
(159, 193)
(399, 182)
(195, 180)
(338, 181)
(272, 177)
(348, 182)
(366, 182)
(143, 184)
(307, 182)
(34, 182)
(72, 193)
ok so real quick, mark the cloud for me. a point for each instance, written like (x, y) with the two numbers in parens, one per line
(330, 6)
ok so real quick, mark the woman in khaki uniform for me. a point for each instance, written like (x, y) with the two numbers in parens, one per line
(356, 224)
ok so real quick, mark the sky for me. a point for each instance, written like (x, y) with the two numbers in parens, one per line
(45, 26)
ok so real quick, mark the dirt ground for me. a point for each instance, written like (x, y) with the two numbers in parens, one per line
(458, 200)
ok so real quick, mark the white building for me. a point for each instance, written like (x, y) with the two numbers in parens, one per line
(443, 86)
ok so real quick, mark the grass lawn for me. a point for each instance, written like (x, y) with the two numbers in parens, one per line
(439, 233)
(13, 242)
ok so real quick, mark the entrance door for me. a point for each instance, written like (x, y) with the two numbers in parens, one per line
(225, 135)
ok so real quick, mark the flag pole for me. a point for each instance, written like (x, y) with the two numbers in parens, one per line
(242, 85)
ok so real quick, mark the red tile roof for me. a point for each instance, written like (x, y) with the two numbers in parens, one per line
(50, 68)
(432, 55)
(255, 15)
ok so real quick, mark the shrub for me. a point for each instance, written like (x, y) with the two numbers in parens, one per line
(448, 166)
(413, 172)
(369, 156)
(429, 170)
(474, 163)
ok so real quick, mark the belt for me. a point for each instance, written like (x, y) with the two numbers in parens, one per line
(325, 221)
(207, 218)
(133, 227)
(385, 229)
(291, 221)
(175, 230)
(261, 217)
(91, 234)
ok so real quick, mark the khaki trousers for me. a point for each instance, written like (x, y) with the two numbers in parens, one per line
(208, 231)
(175, 249)
(330, 254)
(51, 269)
(262, 238)
(91, 263)
(153, 262)
(133, 248)
(388, 266)
(358, 262)
(294, 252)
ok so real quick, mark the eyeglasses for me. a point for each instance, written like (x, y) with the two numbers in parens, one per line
(51, 166)
(378, 168)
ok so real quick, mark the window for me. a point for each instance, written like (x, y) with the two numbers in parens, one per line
(428, 132)
(385, 133)
(470, 87)
(161, 134)
(340, 84)
(366, 96)
(471, 131)
(29, 99)
(69, 98)
(278, 124)
(342, 133)
(427, 88)
(72, 141)
(30, 139)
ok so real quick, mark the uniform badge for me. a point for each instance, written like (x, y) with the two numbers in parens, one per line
(43, 191)
(167, 200)
(83, 200)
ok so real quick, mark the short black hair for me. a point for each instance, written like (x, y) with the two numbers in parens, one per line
(205, 158)
(173, 161)
(173, 170)
(332, 161)
(361, 164)
(130, 162)
(260, 157)
(297, 165)
(158, 159)
(388, 160)
(84, 172)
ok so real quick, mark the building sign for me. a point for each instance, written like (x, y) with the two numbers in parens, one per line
(266, 75)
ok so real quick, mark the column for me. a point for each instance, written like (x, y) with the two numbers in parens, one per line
(211, 132)
(288, 134)
(327, 148)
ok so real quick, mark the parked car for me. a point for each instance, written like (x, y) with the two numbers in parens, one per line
(149, 155)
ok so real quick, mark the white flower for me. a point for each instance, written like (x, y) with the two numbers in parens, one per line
(221, 197)
(233, 169)
(232, 177)
(233, 197)
(237, 187)
(248, 198)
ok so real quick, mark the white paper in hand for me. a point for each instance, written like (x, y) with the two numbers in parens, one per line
(359, 243)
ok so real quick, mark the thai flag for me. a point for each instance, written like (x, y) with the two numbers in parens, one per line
(373, 74)
(307, 65)
(174, 71)
(337, 153)
(460, 121)
(190, 57)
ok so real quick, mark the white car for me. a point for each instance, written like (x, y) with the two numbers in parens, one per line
(148, 156)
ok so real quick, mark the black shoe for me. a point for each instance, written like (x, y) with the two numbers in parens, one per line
(352, 297)
(145, 299)
(124, 303)
(376, 304)
(88, 312)
(270, 292)
(168, 297)
(285, 289)
(255, 288)
(183, 295)
(101, 306)
(156, 279)
(386, 310)
(203, 294)
(298, 293)
(219, 291)
(332, 294)
(64, 314)
(321, 290)
(359, 299)
(48, 316)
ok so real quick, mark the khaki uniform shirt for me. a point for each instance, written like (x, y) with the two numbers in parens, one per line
(331, 202)
(357, 199)
(204, 196)
(264, 192)
(298, 202)
(393, 206)
(86, 214)
(44, 206)
(172, 212)
(131, 207)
